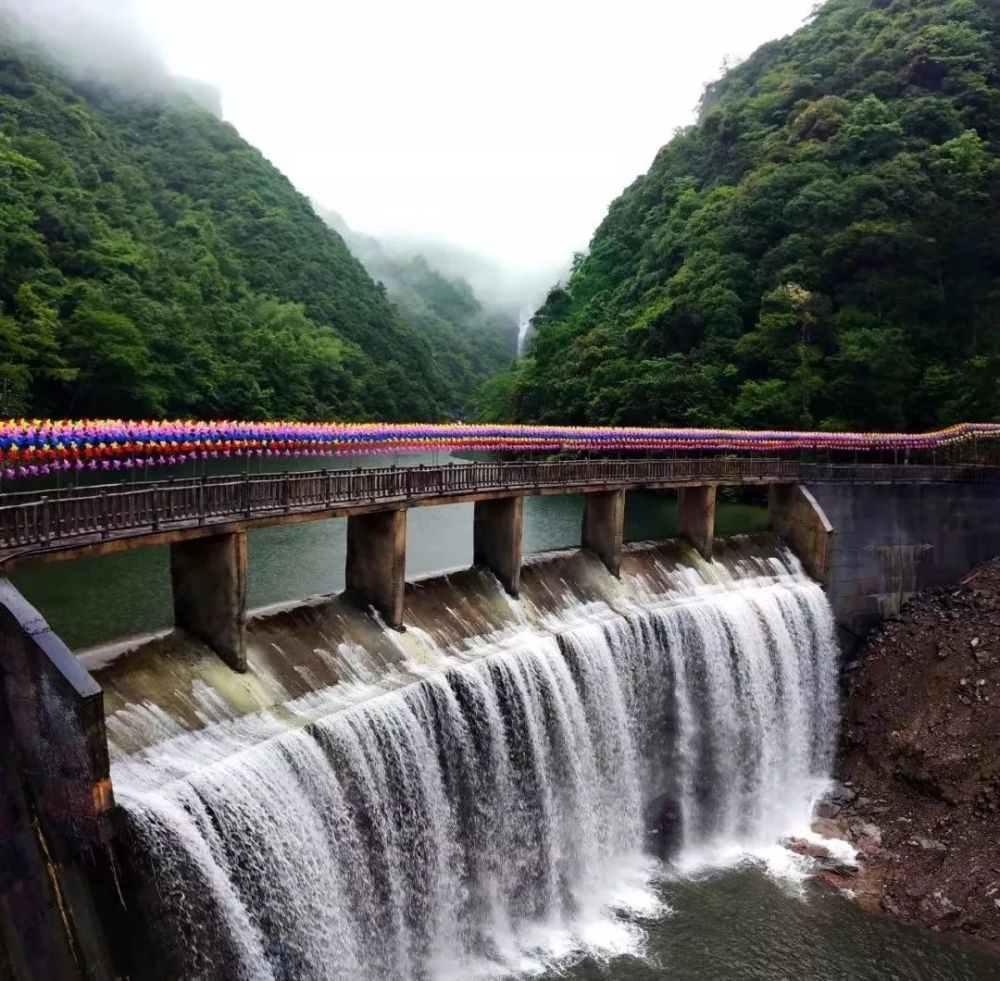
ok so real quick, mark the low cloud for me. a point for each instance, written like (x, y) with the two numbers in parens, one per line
(100, 41)
(510, 290)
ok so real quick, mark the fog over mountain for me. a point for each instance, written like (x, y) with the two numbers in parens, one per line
(488, 140)
(105, 42)
(505, 289)
(513, 291)
(101, 41)
(502, 129)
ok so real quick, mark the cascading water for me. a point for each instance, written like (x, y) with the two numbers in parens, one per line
(523, 327)
(471, 823)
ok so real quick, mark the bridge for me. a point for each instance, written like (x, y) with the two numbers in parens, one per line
(65, 523)
(204, 521)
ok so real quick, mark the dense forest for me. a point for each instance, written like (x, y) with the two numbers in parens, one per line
(822, 249)
(152, 263)
(480, 339)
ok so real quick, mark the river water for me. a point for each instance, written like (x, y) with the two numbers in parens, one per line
(743, 925)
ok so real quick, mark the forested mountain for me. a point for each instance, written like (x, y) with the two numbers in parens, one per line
(153, 263)
(480, 340)
(822, 249)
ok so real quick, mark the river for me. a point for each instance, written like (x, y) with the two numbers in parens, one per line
(743, 925)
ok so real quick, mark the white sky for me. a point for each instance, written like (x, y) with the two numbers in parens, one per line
(504, 126)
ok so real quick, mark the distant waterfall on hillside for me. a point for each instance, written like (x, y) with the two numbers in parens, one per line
(471, 823)
(523, 327)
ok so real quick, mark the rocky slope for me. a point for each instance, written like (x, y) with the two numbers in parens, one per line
(920, 763)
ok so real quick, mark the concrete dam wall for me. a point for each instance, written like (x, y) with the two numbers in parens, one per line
(171, 684)
(368, 804)
(890, 541)
(165, 709)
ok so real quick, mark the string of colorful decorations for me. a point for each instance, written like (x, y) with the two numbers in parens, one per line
(39, 447)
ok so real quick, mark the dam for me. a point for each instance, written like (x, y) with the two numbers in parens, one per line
(458, 797)
(450, 826)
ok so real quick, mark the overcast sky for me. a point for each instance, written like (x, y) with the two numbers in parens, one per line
(505, 126)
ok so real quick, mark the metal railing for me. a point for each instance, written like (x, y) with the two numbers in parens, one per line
(56, 520)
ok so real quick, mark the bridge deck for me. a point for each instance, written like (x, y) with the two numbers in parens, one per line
(68, 522)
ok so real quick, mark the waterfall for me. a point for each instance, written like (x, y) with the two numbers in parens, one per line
(523, 327)
(461, 826)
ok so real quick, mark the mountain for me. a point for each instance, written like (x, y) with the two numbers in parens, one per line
(152, 263)
(479, 335)
(821, 249)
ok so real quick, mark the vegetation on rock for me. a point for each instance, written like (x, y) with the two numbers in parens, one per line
(821, 250)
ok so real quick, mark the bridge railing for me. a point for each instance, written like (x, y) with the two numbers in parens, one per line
(60, 517)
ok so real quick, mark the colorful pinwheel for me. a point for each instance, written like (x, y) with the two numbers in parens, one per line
(40, 447)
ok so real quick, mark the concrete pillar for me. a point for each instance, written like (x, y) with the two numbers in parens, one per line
(209, 577)
(376, 563)
(497, 539)
(696, 517)
(604, 527)
(799, 520)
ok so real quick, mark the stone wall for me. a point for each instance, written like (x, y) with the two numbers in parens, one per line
(56, 788)
(891, 541)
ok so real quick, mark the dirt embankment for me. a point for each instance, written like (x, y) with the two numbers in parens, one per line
(919, 763)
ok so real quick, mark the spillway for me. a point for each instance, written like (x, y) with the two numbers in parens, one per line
(487, 807)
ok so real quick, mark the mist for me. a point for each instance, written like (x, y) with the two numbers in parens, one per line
(510, 292)
(505, 129)
(99, 40)
(490, 138)
(103, 42)
(508, 289)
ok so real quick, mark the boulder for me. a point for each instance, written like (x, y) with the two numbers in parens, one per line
(807, 848)
(870, 831)
(839, 793)
(828, 828)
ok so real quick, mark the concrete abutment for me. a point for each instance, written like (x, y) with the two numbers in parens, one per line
(498, 539)
(209, 579)
(376, 563)
(55, 802)
(892, 540)
(798, 518)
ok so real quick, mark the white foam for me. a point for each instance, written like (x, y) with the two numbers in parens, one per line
(488, 820)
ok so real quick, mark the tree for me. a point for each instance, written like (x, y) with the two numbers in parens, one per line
(822, 244)
(871, 375)
(152, 262)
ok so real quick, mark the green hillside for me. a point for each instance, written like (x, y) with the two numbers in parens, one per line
(153, 263)
(821, 250)
(481, 341)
